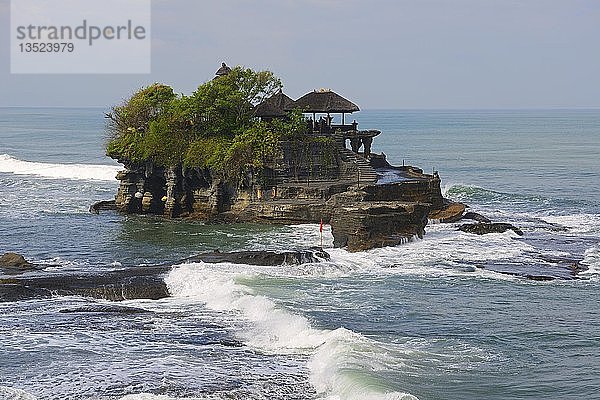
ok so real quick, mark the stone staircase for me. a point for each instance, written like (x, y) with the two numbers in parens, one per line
(366, 173)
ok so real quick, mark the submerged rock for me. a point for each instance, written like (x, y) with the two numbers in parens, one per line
(264, 258)
(485, 228)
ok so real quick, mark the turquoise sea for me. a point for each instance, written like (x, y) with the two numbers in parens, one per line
(430, 319)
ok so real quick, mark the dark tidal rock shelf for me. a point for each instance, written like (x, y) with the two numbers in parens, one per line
(264, 258)
(147, 282)
(125, 284)
(137, 282)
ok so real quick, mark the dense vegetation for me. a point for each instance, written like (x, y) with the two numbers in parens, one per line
(213, 128)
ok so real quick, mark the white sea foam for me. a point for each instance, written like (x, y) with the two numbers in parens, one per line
(591, 260)
(7, 393)
(148, 396)
(275, 329)
(15, 166)
(343, 352)
(578, 223)
(443, 252)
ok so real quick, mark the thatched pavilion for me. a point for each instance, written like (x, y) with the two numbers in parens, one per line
(326, 101)
(273, 107)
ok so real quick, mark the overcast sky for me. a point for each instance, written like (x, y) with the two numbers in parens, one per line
(378, 53)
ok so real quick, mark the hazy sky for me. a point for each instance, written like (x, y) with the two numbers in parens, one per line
(378, 53)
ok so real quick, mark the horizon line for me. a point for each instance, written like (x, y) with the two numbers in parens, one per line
(575, 108)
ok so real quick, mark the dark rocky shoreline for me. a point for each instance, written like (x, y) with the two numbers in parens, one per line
(136, 282)
(146, 282)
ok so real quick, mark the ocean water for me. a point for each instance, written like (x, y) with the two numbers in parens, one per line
(430, 319)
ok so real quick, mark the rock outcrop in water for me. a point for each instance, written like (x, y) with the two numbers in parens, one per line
(363, 213)
(483, 228)
(131, 283)
(476, 217)
(264, 258)
(107, 205)
(364, 226)
(368, 202)
(14, 264)
(14, 260)
(240, 150)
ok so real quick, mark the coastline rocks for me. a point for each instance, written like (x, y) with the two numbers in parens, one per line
(451, 212)
(14, 260)
(103, 309)
(135, 282)
(364, 226)
(485, 228)
(322, 185)
(555, 269)
(126, 284)
(263, 258)
(476, 217)
(105, 205)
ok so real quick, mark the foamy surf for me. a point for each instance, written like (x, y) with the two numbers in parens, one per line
(592, 261)
(149, 396)
(578, 223)
(9, 164)
(7, 393)
(274, 329)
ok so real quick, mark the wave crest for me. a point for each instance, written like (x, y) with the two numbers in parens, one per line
(9, 164)
(275, 329)
(477, 193)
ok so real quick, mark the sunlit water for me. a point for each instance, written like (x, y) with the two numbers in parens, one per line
(429, 319)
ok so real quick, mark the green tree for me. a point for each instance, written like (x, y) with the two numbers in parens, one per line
(223, 106)
(214, 128)
(129, 123)
(140, 109)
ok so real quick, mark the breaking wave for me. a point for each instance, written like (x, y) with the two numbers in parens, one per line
(342, 361)
(479, 194)
(9, 164)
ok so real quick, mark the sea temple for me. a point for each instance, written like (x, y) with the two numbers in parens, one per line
(328, 174)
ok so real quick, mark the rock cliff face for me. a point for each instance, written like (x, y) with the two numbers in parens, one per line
(363, 226)
(324, 183)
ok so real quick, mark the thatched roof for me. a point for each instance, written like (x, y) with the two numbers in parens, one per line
(224, 70)
(324, 101)
(274, 106)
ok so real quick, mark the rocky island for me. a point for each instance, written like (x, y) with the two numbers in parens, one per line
(239, 150)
